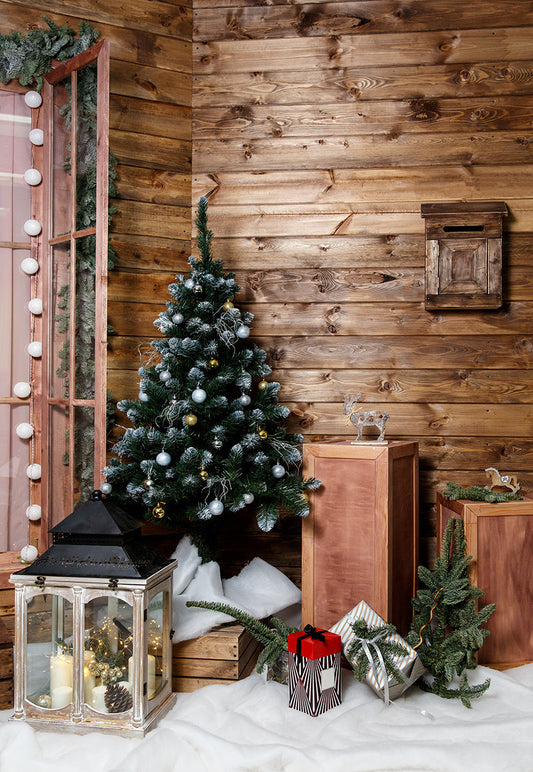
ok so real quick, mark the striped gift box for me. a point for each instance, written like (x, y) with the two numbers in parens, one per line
(409, 664)
(314, 672)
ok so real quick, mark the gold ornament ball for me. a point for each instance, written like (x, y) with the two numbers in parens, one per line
(213, 363)
(158, 511)
(262, 385)
(305, 497)
(191, 419)
(204, 474)
(263, 434)
(227, 305)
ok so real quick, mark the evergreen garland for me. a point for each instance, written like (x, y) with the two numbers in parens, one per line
(389, 649)
(27, 58)
(454, 492)
(446, 626)
(273, 639)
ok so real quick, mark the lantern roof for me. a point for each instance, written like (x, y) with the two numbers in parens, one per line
(98, 540)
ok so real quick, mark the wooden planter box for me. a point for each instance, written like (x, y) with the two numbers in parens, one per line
(500, 539)
(222, 656)
(360, 540)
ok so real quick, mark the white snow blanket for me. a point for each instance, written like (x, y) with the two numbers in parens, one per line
(247, 727)
(260, 589)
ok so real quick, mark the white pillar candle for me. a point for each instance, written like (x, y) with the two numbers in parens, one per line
(89, 683)
(97, 698)
(151, 674)
(60, 671)
(61, 696)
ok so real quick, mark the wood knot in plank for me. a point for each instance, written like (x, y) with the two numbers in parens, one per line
(424, 110)
(325, 281)
(147, 85)
(389, 386)
(482, 113)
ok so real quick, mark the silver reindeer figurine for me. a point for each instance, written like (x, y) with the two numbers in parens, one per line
(364, 418)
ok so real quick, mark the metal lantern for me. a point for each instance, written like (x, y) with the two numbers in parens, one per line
(92, 627)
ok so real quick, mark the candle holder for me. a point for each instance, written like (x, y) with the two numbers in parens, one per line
(92, 627)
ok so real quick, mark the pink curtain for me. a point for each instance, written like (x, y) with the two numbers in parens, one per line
(15, 208)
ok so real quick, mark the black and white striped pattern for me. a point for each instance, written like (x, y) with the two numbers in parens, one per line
(305, 683)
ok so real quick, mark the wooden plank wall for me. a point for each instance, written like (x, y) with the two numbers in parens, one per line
(150, 135)
(318, 131)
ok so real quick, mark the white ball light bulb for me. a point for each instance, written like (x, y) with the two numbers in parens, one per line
(33, 99)
(29, 266)
(106, 488)
(33, 471)
(278, 471)
(215, 507)
(22, 390)
(243, 331)
(33, 512)
(163, 458)
(35, 306)
(32, 177)
(36, 136)
(24, 431)
(32, 227)
(28, 553)
(199, 396)
(35, 349)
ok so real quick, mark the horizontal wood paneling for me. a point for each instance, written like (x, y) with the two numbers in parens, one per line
(380, 151)
(466, 46)
(361, 83)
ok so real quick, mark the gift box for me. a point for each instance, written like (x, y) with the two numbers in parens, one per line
(314, 670)
(409, 664)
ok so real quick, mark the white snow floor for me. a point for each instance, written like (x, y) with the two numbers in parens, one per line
(247, 727)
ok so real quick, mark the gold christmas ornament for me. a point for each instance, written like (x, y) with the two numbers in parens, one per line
(159, 510)
(148, 483)
(203, 473)
(262, 433)
(305, 497)
(227, 305)
(262, 385)
(191, 419)
(213, 363)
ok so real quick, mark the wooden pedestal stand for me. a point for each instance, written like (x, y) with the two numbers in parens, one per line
(360, 540)
(500, 539)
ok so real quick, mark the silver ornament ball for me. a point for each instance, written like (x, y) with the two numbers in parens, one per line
(245, 400)
(106, 488)
(278, 470)
(248, 498)
(165, 376)
(243, 331)
(177, 318)
(199, 395)
(163, 458)
(216, 507)
(189, 283)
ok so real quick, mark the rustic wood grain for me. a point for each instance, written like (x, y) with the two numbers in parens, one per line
(150, 83)
(387, 49)
(154, 186)
(278, 20)
(163, 153)
(365, 185)
(150, 253)
(380, 151)
(418, 116)
(142, 116)
(363, 82)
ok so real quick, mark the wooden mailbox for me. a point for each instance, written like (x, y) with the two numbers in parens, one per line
(464, 254)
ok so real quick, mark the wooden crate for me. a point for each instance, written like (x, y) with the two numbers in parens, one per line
(500, 539)
(360, 540)
(222, 656)
(6, 668)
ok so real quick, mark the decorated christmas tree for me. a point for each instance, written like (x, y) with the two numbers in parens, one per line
(446, 628)
(207, 438)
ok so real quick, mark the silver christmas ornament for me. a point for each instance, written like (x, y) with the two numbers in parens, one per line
(278, 470)
(143, 396)
(189, 283)
(163, 458)
(106, 488)
(165, 376)
(198, 289)
(216, 507)
(245, 399)
(217, 443)
(243, 331)
(199, 395)
(248, 498)
(177, 318)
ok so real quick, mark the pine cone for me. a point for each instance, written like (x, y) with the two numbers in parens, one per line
(117, 698)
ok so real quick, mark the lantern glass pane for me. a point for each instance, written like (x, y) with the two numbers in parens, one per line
(62, 182)
(157, 654)
(108, 671)
(49, 651)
